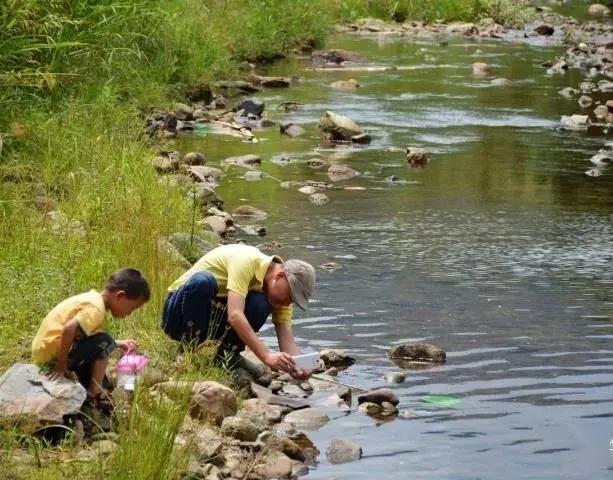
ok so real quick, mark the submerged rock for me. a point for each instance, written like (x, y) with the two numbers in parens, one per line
(245, 161)
(481, 69)
(350, 84)
(416, 157)
(338, 172)
(335, 57)
(249, 211)
(420, 352)
(318, 199)
(292, 130)
(194, 158)
(379, 396)
(343, 451)
(270, 82)
(545, 29)
(26, 395)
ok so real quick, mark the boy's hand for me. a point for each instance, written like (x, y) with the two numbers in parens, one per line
(128, 346)
(57, 373)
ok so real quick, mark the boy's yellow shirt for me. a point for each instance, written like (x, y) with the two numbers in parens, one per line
(87, 308)
(237, 268)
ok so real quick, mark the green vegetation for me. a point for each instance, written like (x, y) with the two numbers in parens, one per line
(76, 79)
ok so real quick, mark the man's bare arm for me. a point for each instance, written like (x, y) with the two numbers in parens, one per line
(240, 324)
(285, 337)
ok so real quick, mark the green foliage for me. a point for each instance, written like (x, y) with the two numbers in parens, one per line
(507, 12)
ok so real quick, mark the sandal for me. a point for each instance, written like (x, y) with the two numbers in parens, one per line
(100, 402)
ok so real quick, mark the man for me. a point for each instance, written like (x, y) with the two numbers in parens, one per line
(253, 285)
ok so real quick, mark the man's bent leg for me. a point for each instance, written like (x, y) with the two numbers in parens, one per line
(193, 307)
(257, 310)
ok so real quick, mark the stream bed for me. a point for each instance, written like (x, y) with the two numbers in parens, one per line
(499, 251)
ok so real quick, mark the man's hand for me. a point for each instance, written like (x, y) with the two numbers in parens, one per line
(280, 361)
(58, 372)
(128, 346)
(300, 374)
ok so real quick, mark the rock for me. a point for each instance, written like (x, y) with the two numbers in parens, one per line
(308, 190)
(568, 92)
(218, 225)
(350, 84)
(330, 266)
(249, 211)
(307, 387)
(275, 465)
(343, 451)
(379, 396)
(602, 159)
(462, 28)
(601, 112)
(389, 408)
(500, 82)
(481, 69)
(339, 126)
(28, 396)
(238, 85)
(315, 162)
(370, 408)
(318, 199)
(166, 162)
(246, 161)
(168, 249)
(269, 82)
(61, 224)
(210, 401)
(253, 175)
(291, 184)
(265, 414)
(395, 377)
(332, 372)
(152, 376)
(307, 418)
(545, 29)
(190, 246)
(293, 391)
(338, 172)
(240, 428)
(201, 173)
(183, 112)
(416, 157)
(419, 352)
(361, 138)
(203, 195)
(104, 447)
(292, 130)
(598, 10)
(194, 158)
(252, 105)
(275, 386)
(575, 122)
(609, 106)
(335, 57)
(336, 358)
(585, 101)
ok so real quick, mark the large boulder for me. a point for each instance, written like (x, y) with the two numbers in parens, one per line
(336, 358)
(252, 105)
(240, 428)
(379, 396)
(191, 246)
(28, 395)
(339, 126)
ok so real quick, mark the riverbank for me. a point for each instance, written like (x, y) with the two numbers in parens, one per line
(85, 160)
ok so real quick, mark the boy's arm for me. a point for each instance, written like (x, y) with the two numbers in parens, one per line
(67, 338)
(237, 320)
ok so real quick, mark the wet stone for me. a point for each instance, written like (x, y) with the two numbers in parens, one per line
(343, 451)
(379, 396)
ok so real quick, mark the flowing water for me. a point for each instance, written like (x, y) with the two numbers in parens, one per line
(499, 251)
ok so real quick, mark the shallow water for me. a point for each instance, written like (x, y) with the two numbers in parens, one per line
(499, 251)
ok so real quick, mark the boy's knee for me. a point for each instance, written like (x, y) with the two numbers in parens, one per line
(105, 343)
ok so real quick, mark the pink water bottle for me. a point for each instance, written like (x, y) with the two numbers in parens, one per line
(129, 368)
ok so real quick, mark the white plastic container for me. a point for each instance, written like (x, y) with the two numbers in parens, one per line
(308, 361)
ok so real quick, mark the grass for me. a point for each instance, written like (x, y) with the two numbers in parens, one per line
(76, 79)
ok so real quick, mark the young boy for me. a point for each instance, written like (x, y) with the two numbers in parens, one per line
(253, 285)
(71, 335)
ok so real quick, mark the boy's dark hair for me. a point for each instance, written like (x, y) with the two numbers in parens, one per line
(131, 281)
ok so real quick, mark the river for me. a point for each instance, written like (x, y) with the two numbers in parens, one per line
(499, 251)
